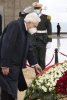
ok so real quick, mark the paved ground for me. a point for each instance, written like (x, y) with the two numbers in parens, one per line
(29, 76)
(61, 36)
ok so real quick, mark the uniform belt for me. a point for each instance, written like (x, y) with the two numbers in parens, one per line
(44, 31)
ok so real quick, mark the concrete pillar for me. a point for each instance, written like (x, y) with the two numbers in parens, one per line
(13, 7)
(2, 14)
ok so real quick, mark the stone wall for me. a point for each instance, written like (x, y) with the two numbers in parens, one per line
(13, 7)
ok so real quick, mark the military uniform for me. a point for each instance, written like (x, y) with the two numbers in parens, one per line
(41, 38)
(58, 29)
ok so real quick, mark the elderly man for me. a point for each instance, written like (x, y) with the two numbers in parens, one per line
(43, 37)
(15, 49)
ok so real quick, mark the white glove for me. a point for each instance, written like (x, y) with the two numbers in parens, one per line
(48, 45)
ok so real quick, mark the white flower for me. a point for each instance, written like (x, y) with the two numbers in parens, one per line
(51, 85)
(40, 81)
(48, 84)
(44, 88)
(32, 85)
(50, 89)
(54, 83)
(37, 83)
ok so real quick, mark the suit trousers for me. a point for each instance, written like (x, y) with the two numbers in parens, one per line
(6, 96)
(40, 53)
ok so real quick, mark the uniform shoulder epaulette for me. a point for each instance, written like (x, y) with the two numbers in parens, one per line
(49, 17)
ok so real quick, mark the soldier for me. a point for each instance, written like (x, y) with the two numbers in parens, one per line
(58, 29)
(43, 37)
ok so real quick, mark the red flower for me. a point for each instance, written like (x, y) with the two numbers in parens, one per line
(61, 85)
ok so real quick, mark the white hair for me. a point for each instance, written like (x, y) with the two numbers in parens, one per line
(32, 17)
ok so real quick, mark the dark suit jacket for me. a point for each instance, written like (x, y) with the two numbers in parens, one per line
(15, 49)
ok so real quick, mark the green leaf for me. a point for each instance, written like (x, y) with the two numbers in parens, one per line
(37, 94)
(49, 96)
(26, 95)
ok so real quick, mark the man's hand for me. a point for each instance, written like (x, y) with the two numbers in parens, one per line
(5, 70)
(38, 68)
